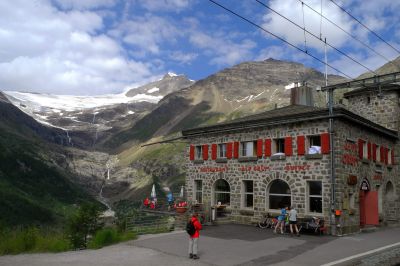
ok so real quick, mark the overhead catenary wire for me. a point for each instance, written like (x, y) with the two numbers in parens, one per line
(276, 36)
(312, 34)
(349, 34)
(362, 24)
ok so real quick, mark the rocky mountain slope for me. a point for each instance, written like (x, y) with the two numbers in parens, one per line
(33, 187)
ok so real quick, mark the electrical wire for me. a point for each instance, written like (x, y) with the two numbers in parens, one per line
(351, 35)
(373, 32)
(279, 38)
(312, 34)
(304, 28)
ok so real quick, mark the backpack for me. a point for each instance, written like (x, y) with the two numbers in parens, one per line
(190, 229)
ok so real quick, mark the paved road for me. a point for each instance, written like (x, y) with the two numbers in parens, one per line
(229, 245)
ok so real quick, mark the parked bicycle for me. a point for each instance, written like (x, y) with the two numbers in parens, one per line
(267, 221)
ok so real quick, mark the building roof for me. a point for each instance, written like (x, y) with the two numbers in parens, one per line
(387, 87)
(289, 115)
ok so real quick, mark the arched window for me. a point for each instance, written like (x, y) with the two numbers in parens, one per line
(279, 194)
(222, 192)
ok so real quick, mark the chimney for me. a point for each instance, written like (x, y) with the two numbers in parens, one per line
(302, 95)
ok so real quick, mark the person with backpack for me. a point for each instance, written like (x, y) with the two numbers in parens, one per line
(192, 228)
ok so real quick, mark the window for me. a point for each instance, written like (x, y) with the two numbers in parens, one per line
(315, 196)
(199, 152)
(222, 150)
(365, 150)
(378, 153)
(279, 195)
(222, 192)
(314, 144)
(389, 156)
(247, 194)
(198, 190)
(279, 146)
(248, 149)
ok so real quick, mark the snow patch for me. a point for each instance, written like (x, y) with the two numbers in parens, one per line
(155, 89)
(131, 112)
(291, 85)
(172, 74)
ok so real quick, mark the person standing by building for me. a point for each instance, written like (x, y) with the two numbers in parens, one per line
(194, 238)
(293, 220)
(281, 220)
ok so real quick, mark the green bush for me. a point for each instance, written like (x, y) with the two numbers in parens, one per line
(108, 236)
(32, 240)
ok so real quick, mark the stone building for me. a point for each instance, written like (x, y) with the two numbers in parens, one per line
(257, 164)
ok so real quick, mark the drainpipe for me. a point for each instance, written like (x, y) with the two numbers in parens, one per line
(332, 164)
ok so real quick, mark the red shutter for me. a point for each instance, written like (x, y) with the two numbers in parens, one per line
(191, 152)
(374, 152)
(369, 150)
(205, 152)
(392, 156)
(301, 145)
(360, 148)
(236, 149)
(382, 151)
(213, 151)
(229, 150)
(325, 146)
(288, 146)
(259, 148)
(267, 150)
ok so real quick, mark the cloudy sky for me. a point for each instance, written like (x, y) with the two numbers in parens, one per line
(90, 47)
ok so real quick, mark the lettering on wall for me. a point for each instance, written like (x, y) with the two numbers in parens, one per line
(350, 156)
(255, 168)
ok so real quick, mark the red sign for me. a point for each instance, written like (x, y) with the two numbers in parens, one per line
(258, 168)
(350, 159)
(213, 169)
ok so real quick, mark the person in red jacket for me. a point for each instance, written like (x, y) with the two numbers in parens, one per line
(193, 239)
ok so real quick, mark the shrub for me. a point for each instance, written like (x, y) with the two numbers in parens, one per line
(108, 236)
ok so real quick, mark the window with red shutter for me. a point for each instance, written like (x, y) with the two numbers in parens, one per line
(288, 146)
(369, 151)
(259, 148)
(360, 148)
(374, 152)
(229, 150)
(236, 149)
(386, 156)
(301, 145)
(205, 152)
(267, 150)
(382, 154)
(325, 145)
(191, 152)
(213, 151)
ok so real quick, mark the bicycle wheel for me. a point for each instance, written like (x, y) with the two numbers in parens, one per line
(262, 224)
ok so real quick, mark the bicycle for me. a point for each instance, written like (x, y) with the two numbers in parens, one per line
(267, 222)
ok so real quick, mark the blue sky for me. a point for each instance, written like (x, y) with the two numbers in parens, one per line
(89, 47)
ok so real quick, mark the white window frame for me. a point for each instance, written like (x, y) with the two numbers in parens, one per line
(309, 143)
(245, 193)
(378, 153)
(365, 150)
(248, 148)
(196, 190)
(221, 150)
(275, 146)
(198, 155)
(309, 196)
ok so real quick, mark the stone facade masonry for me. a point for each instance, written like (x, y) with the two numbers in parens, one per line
(296, 170)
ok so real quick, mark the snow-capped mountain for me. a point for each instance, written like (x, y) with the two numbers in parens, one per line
(90, 118)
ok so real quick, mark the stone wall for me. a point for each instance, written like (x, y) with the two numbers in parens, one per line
(296, 170)
(382, 109)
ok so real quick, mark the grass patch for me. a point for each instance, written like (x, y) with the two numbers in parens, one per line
(109, 236)
(28, 240)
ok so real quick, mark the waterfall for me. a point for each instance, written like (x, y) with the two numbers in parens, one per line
(68, 137)
(109, 211)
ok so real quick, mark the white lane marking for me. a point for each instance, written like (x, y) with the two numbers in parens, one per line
(361, 254)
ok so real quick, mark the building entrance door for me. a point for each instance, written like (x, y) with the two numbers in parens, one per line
(369, 214)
